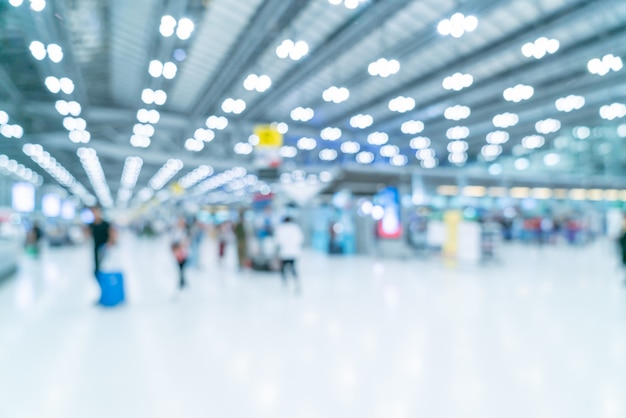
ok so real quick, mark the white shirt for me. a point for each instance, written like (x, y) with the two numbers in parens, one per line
(289, 238)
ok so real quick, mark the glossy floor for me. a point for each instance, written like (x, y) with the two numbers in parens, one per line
(541, 333)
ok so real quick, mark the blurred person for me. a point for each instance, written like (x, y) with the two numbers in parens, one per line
(103, 236)
(289, 239)
(242, 241)
(225, 233)
(180, 248)
(196, 232)
(33, 239)
(622, 246)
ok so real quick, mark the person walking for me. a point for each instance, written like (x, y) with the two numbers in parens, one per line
(103, 236)
(242, 241)
(289, 239)
(622, 246)
(180, 248)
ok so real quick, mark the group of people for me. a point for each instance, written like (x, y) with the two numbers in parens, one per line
(185, 239)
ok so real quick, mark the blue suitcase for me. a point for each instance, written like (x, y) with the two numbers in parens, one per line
(112, 286)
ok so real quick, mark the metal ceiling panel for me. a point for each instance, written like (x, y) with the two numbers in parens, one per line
(215, 35)
(132, 31)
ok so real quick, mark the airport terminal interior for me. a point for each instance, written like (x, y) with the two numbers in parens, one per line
(312, 208)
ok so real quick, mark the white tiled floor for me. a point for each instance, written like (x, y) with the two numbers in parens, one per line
(541, 334)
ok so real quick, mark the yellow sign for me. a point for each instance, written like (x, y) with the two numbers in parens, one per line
(177, 189)
(268, 136)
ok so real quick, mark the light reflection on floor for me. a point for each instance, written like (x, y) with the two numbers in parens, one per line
(542, 333)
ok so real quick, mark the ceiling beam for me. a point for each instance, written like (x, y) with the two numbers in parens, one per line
(503, 44)
(274, 14)
(371, 15)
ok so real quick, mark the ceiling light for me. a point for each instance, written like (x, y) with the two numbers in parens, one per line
(603, 66)
(80, 137)
(336, 94)
(288, 151)
(205, 135)
(74, 108)
(196, 176)
(505, 120)
(38, 50)
(389, 150)
(194, 145)
(383, 67)
(168, 25)
(518, 93)
(243, 148)
(458, 132)
(217, 122)
(533, 141)
(621, 131)
(37, 5)
(66, 85)
(399, 160)
(4, 117)
(302, 114)
(457, 112)
(165, 174)
(430, 163)
(55, 53)
(155, 69)
(93, 168)
(62, 107)
(581, 132)
(456, 147)
(412, 127)
(377, 138)
(307, 144)
(547, 126)
(419, 142)
(294, 50)
(16, 3)
(12, 131)
(53, 84)
(551, 159)
(613, 111)
(497, 137)
(185, 28)
(491, 151)
(521, 164)
(361, 121)
(281, 127)
(350, 147)
(402, 104)
(540, 47)
(365, 157)
(457, 158)
(236, 106)
(328, 154)
(330, 134)
(495, 169)
(569, 103)
(140, 141)
(457, 25)
(457, 81)
(259, 83)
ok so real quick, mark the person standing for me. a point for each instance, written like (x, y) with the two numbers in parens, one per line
(622, 246)
(103, 235)
(289, 239)
(242, 241)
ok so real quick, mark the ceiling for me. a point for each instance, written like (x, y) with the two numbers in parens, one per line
(108, 46)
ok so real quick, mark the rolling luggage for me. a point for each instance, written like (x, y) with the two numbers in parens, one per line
(110, 277)
(112, 286)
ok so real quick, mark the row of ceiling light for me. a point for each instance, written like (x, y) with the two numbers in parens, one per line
(58, 172)
(19, 170)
